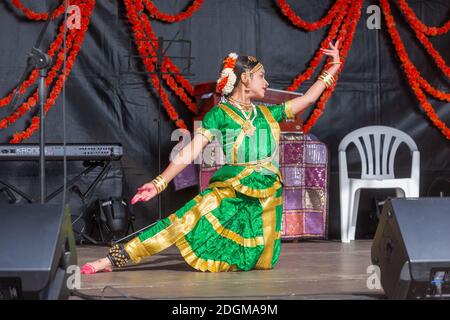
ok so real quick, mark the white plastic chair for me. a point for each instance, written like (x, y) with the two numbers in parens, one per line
(377, 170)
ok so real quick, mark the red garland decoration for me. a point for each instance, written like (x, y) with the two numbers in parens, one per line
(31, 102)
(156, 14)
(349, 26)
(55, 45)
(181, 80)
(419, 25)
(413, 23)
(30, 14)
(299, 79)
(310, 26)
(151, 49)
(179, 91)
(145, 50)
(411, 71)
(440, 62)
(335, 14)
(171, 67)
(73, 43)
(146, 45)
(443, 96)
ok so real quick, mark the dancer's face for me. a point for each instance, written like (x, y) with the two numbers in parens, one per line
(258, 85)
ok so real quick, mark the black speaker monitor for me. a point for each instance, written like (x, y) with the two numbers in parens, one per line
(36, 248)
(412, 248)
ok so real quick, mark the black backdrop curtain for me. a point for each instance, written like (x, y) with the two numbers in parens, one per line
(104, 103)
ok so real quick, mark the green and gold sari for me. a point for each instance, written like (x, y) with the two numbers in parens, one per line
(235, 223)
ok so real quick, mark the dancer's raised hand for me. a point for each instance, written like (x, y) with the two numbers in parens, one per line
(333, 50)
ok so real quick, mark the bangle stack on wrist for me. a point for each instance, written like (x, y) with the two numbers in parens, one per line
(327, 78)
(160, 183)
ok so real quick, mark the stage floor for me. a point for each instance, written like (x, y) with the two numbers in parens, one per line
(306, 270)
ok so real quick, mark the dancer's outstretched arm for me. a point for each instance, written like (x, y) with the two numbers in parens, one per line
(178, 163)
(316, 90)
(148, 191)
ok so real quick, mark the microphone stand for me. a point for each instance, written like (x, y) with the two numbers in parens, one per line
(40, 60)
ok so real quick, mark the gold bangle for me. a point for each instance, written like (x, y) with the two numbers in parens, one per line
(326, 73)
(326, 85)
(327, 78)
(335, 62)
(160, 183)
(163, 183)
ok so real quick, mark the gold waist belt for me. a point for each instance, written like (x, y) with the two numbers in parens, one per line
(261, 162)
(258, 165)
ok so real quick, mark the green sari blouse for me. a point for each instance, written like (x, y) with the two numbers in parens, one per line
(251, 162)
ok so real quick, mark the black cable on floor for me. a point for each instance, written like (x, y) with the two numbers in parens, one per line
(85, 296)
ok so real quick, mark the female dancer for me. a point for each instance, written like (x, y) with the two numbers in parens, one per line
(235, 223)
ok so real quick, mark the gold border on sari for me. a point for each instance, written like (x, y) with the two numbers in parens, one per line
(229, 234)
(179, 227)
(269, 218)
(236, 118)
(235, 182)
(251, 192)
(201, 264)
(274, 126)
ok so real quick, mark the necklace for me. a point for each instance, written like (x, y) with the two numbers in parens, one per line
(248, 127)
(243, 104)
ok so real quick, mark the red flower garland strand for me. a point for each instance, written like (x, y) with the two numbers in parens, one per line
(74, 40)
(151, 48)
(440, 62)
(443, 96)
(310, 26)
(299, 79)
(145, 51)
(57, 88)
(32, 15)
(156, 14)
(179, 91)
(171, 67)
(419, 25)
(31, 102)
(411, 71)
(349, 26)
(55, 45)
(142, 27)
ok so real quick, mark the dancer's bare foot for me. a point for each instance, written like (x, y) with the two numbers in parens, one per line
(100, 265)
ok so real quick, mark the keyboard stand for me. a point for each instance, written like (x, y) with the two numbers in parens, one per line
(91, 165)
(8, 188)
